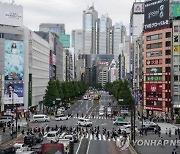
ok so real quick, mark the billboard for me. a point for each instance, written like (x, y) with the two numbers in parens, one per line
(176, 48)
(65, 40)
(11, 14)
(156, 14)
(14, 60)
(176, 10)
(138, 8)
(154, 87)
(154, 62)
(13, 93)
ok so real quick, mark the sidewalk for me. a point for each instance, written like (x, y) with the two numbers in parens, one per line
(5, 136)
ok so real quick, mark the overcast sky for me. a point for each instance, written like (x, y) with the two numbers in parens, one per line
(70, 12)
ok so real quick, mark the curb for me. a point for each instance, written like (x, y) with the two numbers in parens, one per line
(131, 148)
(6, 143)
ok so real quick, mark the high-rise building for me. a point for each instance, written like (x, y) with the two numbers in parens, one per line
(90, 16)
(157, 60)
(52, 27)
(119, 33)
(77, 44)
(136, 28)
(104, 26)
(176, 58)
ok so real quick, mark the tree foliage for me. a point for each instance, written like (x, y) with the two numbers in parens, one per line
(120, 89)
(63, 90)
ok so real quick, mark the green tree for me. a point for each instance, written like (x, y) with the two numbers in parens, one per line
(51, 93)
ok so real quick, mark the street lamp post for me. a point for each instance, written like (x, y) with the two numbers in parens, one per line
(12, 95)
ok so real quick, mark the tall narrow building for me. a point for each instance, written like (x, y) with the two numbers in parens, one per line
(119, 33)
(90, 16)
(104, 26)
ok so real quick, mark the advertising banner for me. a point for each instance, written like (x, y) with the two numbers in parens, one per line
(11, 14)
(13, 93)
(156, 14)
(138, 8)
(154, 62)
(14, 60)
(65, 40)
(154, 78)
(176, 10)
(176, 48)
(51, 41)
(154, 87)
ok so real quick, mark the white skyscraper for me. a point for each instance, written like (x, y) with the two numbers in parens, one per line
(104, 26)
(119, 33)
(90, 17)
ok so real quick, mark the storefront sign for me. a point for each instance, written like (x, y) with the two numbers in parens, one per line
(153, 87)
(154, 62)
(154, 78)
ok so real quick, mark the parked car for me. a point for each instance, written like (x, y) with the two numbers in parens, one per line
(61, 117)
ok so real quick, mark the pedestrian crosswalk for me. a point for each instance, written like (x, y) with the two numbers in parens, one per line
(95, 117)
(100, 137)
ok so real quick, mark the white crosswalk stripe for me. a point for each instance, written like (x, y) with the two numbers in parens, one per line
(95, 117)
(100, 137)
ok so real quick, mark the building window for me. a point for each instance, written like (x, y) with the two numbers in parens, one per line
(176, 28)
(168, 60)
(168, 34)
(168, 69)
(168, 43)
(175, 78)
(154, 37)
(176, 98)
(176, 88)
(154, 53)
(176, 58)
(176, 68)
(176, 39)
(168, 52)
(154, 45)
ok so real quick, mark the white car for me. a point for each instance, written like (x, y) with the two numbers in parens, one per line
(61, 117)
(84, 122)
(53, 136)
(127, 129)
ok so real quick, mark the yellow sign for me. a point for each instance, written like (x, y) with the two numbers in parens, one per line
(176, 48)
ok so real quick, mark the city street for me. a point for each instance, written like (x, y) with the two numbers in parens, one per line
(102, 144)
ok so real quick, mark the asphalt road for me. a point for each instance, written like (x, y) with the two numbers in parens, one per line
(101, 145)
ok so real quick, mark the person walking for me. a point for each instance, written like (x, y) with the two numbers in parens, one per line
(166, 131)
(169, 132)
(174, 151)
(162, 141)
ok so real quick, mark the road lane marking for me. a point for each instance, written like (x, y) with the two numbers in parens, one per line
(91, 137)
(88, 147)
(78, 146)
(99, 136)
(104, 137)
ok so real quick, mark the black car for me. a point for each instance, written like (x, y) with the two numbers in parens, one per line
(30, 140)
(7, 150)
(39, 137)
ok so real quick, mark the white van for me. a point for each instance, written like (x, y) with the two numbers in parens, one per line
(40, 118)
(84, 122)
(53, 136)
(6, 119)
(127, 129)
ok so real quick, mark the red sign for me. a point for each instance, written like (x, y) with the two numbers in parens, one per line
(154, 87)
(154, 108)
